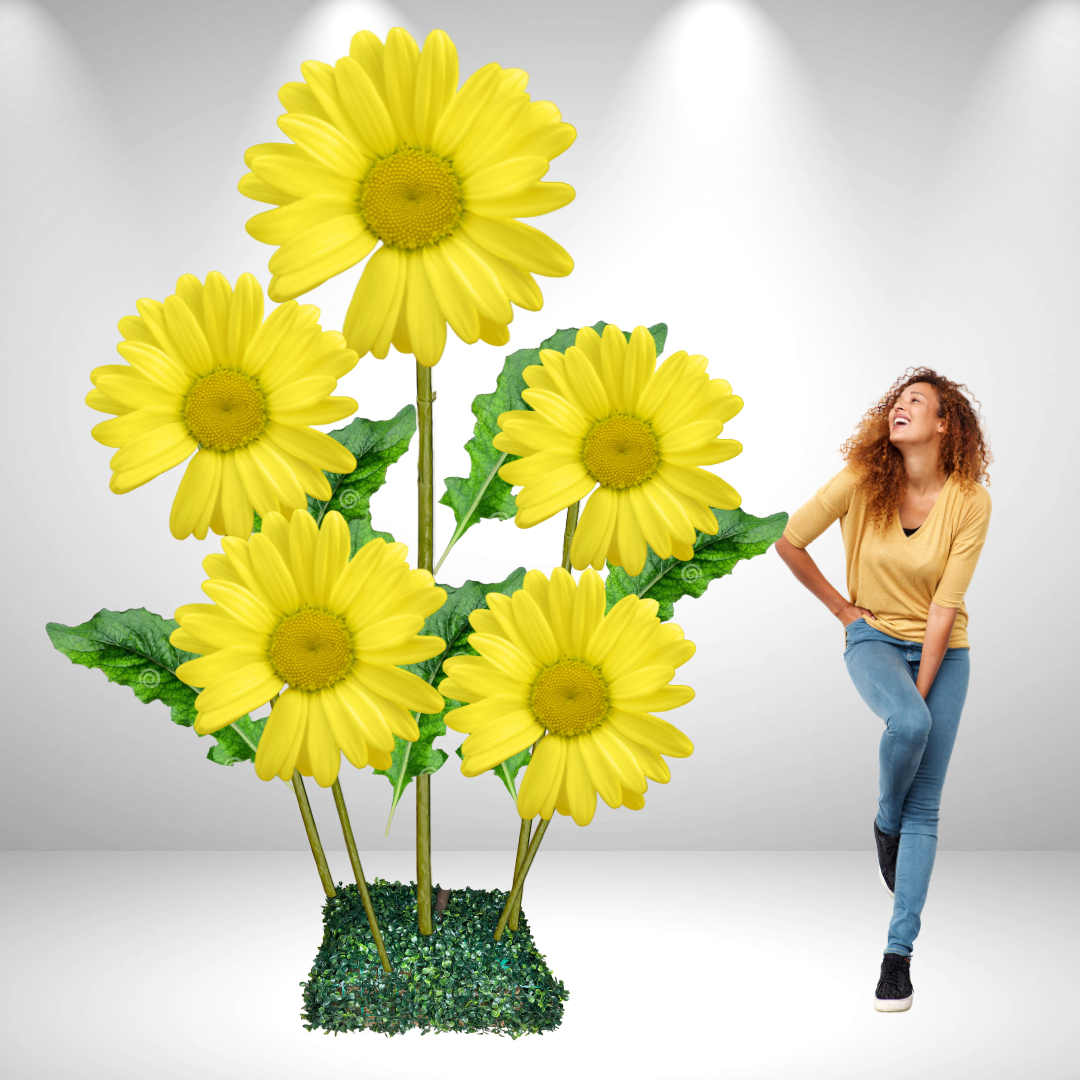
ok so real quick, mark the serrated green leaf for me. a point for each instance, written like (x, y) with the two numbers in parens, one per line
(132, 648)
(483, 494)
(237, 742)
(376, 445)
(740, 536)
(507, 772)
(451, 623)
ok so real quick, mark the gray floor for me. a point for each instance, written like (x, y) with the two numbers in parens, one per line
(715, 964)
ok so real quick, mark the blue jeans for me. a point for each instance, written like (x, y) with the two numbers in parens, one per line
(913, 756)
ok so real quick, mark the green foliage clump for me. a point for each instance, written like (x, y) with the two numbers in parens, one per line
(457, 979)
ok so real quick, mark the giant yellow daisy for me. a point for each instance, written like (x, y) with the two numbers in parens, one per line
(553, 667)
(386, 150)
(605, 414)
(290, 608)
(205, 374)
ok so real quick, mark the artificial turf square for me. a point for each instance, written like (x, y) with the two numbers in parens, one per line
(457, 979)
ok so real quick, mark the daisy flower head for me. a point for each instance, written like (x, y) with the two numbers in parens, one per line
(205, 374)
(603, 413)
(554, 667)
(291, 609)
(387, 152)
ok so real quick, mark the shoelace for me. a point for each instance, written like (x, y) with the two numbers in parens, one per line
(892, 975)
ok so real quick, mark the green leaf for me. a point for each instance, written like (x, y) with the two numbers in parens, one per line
(484, 494)
(740, 536)
(451, 623)
(237, 742)
(508, 770)
(132, 648)
(376, 445)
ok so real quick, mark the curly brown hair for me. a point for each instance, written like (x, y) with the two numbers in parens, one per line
(879, 465)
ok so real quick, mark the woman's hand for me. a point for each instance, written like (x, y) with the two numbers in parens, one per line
(849, 614)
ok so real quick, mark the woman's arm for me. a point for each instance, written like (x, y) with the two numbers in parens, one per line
(805, 569)
(939, 624)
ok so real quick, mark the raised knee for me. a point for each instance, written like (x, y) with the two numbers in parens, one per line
(912, 725)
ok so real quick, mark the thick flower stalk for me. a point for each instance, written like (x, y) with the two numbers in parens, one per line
(291, 609)
(205, 374)
(387, 154)
(602, 413)
(553, 667)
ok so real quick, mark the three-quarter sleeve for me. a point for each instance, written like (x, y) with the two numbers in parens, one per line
(818, 513)
(964, 553)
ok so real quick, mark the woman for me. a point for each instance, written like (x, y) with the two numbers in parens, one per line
(914, 519)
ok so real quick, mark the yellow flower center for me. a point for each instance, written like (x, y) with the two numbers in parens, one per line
(570, 697)
(311, 649)
(411, 199)
(620, 451)
(225, 410)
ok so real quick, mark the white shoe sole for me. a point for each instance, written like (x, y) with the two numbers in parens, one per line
(893, 1004)
(886, 884)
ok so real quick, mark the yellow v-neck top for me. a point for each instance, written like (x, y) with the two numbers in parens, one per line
(894, 575)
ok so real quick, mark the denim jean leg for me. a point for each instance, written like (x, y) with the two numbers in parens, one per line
(919, 815)
(882, 676)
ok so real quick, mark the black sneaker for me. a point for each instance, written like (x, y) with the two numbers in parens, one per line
(894, 991)
(887, 847)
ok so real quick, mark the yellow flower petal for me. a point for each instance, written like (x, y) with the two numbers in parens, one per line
(436, 83)
(220, 667)
(531, 201)
(367, 714)
(361, 99)
(311, 257)
(507, 177)
(580, 791)
(452, 294)
(536, 638)
(323, 752)
(518, 243)
(470, 718)
(601, 771)
(149, 455)
(651, 732)
(299, 178)
(557, 410)
(284, 222)
(543, 778)
(401, 686)
(703, 486)
(506, 655)
(376, 303)
(494, 742)
(326, 144)
(231, 696)
(195, 498)
(157, 366)
(401, 61)
(245, 316)
(241, 605)
(282, 737)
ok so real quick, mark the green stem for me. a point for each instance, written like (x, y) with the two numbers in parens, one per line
(519, 880)
(459, 532)
(358, 872)
(312, 833)
(425, 551)
(568, 535)
(522, 848)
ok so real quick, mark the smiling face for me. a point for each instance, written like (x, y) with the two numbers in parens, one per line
(918, 405)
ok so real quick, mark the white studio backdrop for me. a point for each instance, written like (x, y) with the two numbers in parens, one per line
(814, 195)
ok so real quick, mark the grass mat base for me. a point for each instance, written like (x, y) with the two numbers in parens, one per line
(457, 979)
